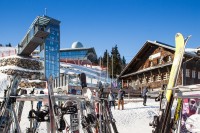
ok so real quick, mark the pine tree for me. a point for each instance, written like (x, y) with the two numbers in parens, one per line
(105, 59)
(116, 62)
(123, 62)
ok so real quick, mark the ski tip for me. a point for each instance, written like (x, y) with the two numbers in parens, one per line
(179, 40)
(178, 34)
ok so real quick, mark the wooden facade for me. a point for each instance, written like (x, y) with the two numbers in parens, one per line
(152, 65)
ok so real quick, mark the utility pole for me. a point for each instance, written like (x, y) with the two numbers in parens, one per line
(100, 68)
(107, 66)
(112, 71)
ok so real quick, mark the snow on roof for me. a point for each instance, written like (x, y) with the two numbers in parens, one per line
(17, 68)
(36, 81)
(17, 56)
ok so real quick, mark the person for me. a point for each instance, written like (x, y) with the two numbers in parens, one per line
(121, 99)
(82, 78)
(111, 99)
(39, 104)
(144, 94)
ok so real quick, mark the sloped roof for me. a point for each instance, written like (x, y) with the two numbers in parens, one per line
(147, 44)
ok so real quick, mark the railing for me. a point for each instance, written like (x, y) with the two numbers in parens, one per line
(7, 53)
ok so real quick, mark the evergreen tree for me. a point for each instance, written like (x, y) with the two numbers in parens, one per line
(100, 61)
(116, 62)
(123, 62)
(105, 58)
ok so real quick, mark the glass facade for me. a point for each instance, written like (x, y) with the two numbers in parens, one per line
(80, 54)
(51, 50)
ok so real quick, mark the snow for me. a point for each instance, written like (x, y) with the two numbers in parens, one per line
(192, 123)
(3, 81)
(134, 118)
(17, 68)
(93, 74)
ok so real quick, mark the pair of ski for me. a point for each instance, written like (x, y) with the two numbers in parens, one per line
(163, 121)
(106, 119)
(8, 115)
(57, 122)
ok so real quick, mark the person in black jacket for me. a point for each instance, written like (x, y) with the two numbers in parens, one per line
(144, 94)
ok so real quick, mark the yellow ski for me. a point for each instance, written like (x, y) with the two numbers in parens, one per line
(178, 56)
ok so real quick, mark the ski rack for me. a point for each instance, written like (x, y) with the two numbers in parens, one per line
(189, 91)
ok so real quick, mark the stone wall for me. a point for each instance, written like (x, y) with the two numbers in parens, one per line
(27, 68)
(26, 63)
(31, 84)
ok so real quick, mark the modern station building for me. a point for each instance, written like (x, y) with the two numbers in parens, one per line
(44, 33)
(77, 54)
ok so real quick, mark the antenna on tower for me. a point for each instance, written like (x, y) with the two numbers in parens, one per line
(45, 11)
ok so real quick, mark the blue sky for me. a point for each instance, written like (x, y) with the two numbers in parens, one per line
(104, 23)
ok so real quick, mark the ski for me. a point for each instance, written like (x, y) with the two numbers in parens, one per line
(21, 105)
(7, 109)
(51, 105)
(177, 113)
(111, 119)
(179, 52)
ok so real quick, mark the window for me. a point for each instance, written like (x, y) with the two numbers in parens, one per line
(158, 78)
(160, 61)
(187, 72)
(166, 76)
(169, 58)
(150, 79)
(193, 74)
(144, 81)
(198, 75)
(151, 63)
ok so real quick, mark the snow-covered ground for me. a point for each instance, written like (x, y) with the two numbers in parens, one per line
(134, 118)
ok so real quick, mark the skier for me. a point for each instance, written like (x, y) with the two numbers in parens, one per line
(144, 94)
(111, 99)
(121, 99)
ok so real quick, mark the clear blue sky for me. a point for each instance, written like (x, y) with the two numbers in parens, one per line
(104, 23)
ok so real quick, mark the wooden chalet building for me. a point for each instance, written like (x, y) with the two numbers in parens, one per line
(152, 65)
